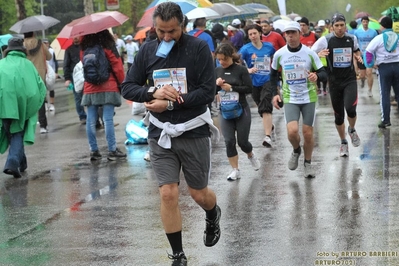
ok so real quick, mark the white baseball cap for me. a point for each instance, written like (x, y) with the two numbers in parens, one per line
(292, 25)
(129, 37)
(321, 23)
(236, 22)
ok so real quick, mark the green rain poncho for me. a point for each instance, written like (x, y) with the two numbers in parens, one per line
(22, 92)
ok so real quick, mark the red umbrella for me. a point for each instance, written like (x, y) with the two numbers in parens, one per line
(146, 19)
(59, 46)
(362, 14)
(92, 23)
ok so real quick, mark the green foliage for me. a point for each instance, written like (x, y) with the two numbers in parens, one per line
(67, 10)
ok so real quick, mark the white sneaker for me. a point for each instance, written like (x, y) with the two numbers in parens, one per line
(254, 162)
(343, 150)
(370, 93)
(234, 175)
(293, 162)
(355, 138)
(267, 142)
(147, 156)
(309, 172)
(51, 107)
(43, 130)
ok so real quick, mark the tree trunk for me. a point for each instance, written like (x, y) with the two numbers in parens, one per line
(88, 7)
(21, 11)
(134, 17)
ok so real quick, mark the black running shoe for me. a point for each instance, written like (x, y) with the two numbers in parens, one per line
(179, 259)
(117, 154)
(384, 125)
(95, 155)
(212, 230)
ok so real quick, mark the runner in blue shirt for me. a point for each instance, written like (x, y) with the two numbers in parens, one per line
(257, 56)
(364, 36)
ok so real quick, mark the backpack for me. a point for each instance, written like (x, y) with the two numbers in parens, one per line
(96, 67)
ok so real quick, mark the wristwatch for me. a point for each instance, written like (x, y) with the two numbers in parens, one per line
(150, 93)
(170, 106)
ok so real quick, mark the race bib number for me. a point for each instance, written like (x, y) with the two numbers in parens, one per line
(263, 65)
(342, 57)
(176, 77)
(295, 74)
(228, 96)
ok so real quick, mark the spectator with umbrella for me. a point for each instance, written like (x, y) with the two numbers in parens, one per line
(38, 53)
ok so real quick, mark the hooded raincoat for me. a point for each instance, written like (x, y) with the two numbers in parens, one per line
(22, 92)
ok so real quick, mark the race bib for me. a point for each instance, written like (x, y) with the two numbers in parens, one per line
(231, 96)
(295, 74)
(342, 57)
(263, 65)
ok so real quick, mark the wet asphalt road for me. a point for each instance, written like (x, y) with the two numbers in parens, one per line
(67, 211)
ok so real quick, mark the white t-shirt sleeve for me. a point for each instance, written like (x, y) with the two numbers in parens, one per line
(372, 46)
(320, 44)
(356, 43)
(276, 56)
(316, 58)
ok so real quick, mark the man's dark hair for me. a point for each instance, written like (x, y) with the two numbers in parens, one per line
(365, 18)
(200, 22)
(353, 24)
(265, 22)
(304, 20)
(167, 11)
(337, 17)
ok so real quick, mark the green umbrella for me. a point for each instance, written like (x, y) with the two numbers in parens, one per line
(386, 11)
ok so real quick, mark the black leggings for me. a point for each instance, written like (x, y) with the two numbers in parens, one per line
(241, 125)
(343, 97)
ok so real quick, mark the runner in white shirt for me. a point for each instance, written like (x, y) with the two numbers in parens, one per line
(384, 49)
(120, 46)
(131, 49)
(301, 68)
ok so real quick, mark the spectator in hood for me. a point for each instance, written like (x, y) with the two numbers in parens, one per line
(22, 93)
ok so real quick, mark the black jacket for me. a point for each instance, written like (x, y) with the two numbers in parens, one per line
(189, 52)
(71, 58)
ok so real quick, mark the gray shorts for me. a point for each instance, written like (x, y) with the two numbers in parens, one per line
(292, 112)
(192, 155)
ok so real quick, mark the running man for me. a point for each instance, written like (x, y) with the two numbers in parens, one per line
(301, 68)
(340, 48)
(174, 151)
(364, 36)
